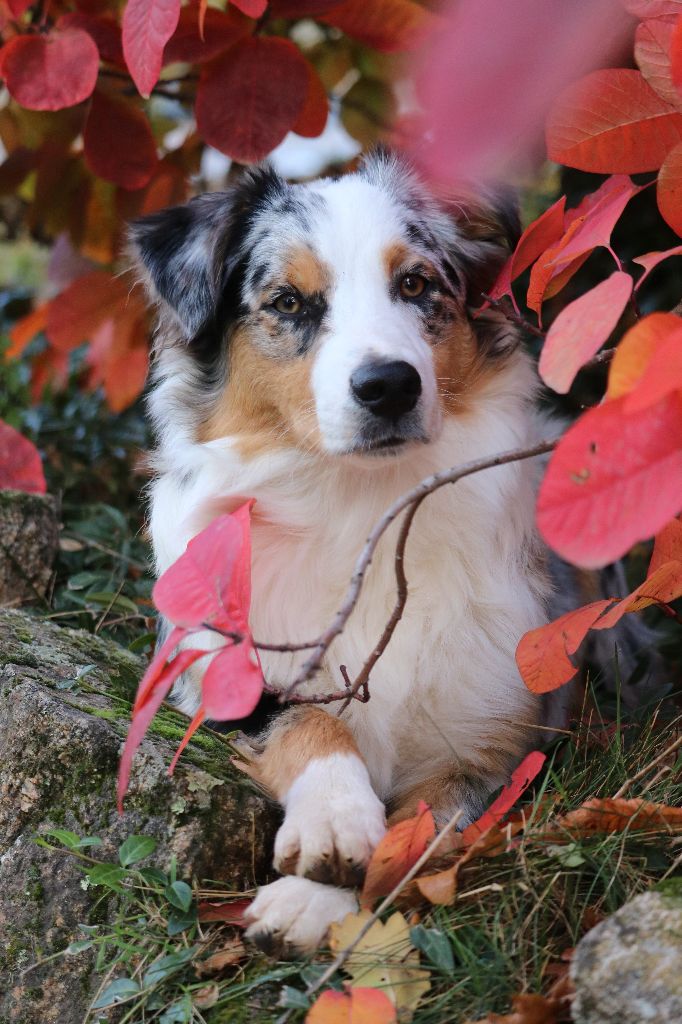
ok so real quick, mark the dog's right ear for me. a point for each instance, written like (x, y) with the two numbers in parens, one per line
(186, 254)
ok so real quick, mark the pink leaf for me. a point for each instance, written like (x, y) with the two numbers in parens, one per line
(144, 712)
(581, 329)
(52, 71)
(198, 587)
(650, 260)
(232, 683)
(599, 214)
(613, 480)
(520, 781)
(21, 468)
(147, 27)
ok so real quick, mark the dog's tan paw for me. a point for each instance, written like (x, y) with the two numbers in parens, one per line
(291, 917)
(332, 824)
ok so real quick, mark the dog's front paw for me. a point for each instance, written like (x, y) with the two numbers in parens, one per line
(332, 823)
(290, 917)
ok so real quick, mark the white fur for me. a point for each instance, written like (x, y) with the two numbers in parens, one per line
(331, 809)
(297, 913)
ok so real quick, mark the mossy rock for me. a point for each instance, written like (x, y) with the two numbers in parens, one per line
(29, 531)
(65, 698)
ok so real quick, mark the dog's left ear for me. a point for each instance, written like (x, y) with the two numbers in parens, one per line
(489, 228)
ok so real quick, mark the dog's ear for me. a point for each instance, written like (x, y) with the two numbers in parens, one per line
(489, 228)
(186, 254)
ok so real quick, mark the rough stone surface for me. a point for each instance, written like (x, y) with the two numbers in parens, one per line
(64, 706)
(628, 970)
(29, 531)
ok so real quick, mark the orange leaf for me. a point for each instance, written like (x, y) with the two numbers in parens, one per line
(669, 189)
(661, 376)
(386, 25)
(581, 329)
(313, 117)
(616, 815)
(77, 312)
(441, 887)
(652, 53)
(543, 653)
(399, 849)
(249, 98)
(25, 330)
(663, 585)
(522, 776)
(636, 349)
(50, 368)
(358, 1006)
(590, 507)
(667, 546)
(612, 121)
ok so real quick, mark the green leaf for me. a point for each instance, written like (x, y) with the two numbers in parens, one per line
(179, 921)
(180, 895)
(435, 946)
(68, 839)
(141, 643)
(293, 999)
(80, 580)
(79, 946)
(178, 1013)
(89, 841)
(154, 876)
(168, 965)
(116, 992)
(110, 875)
(135, 848)
(569, 856)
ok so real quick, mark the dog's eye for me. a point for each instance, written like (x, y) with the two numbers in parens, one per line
(412, 286)
(289, 304)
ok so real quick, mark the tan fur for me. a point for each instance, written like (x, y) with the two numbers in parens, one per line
(266, 403)
(298, 737)
(461, 371)
(305, 271)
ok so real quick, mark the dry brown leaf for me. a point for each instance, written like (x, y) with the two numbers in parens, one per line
(618, 814)
(206, 997)
(228, 955)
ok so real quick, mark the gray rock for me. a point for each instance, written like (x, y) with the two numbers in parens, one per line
(65, 700)
(628, 970)
(29, 531)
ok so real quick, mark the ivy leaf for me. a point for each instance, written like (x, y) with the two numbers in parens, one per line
(435, 945)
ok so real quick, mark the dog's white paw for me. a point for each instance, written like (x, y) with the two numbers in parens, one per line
(291, 916)
(333, 821)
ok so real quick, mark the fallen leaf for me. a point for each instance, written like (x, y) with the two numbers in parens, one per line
(399, 849)
(358, 1006)
(229, 913)
(228, 955)
(617, 815)
(521, 778)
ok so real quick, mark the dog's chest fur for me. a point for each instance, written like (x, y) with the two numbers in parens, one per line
(446, 688)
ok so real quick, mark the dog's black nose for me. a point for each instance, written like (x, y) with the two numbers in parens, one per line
(386, 389)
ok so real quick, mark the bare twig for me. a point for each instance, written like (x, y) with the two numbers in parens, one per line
(513, 317)
(340, 960)
(414, 496)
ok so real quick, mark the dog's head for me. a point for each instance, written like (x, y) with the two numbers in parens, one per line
(334, 315)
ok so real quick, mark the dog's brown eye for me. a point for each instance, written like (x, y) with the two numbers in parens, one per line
(412, 286)
(289, 304)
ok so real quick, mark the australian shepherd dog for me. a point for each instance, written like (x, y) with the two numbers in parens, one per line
(318, 350)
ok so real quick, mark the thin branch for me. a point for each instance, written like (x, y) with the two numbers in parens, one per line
(512, 317)
(416, 495)
(340, 960)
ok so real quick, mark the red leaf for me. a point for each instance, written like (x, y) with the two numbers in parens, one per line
(652, 53)
(105, 31)
(612, 121)
(596, 217)
(147, 27)
(124, 378)
(313, 117)
(522, 776)
(653, 8)
(77, 312)
(52, 71)
(251, 8)
(662, 375)
(400, 848)
(189, 732)
(635, 350)
(581, 329)
(50, 368)
(229, 913)
(144, 711)
(21, 468)
(542, 656)
(233, 683)
(197, 587)
(546, 277)
(19, 7)
(676, 57)
(669, 189)
(538, 236)
(222, 29)
(25, 330)
(650, 260)
(591, 508)
(300, 8)
(118, 142)
(357, 1006)
(667, 546)
(249, 98)
(386, 25)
